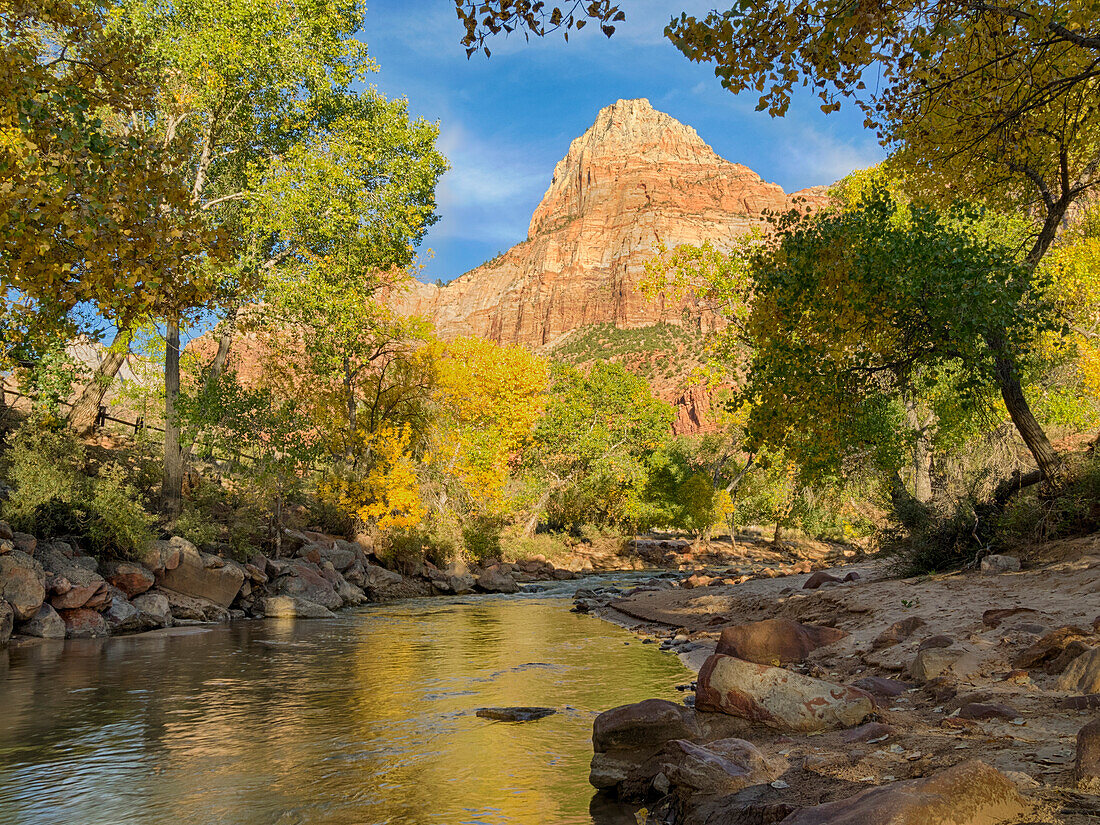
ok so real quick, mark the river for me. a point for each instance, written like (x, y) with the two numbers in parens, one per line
(362, 720)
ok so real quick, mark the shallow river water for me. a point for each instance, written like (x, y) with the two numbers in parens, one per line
(362, 720)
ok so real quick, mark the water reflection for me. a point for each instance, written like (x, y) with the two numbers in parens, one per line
(366, 719)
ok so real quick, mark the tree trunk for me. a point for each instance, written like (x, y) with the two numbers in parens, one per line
(225, 339)
(85, 411)
(922, 453)
(1050, 465)
(172, 488)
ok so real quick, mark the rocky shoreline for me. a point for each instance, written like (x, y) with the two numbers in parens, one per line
(850, 696)
(52, 590)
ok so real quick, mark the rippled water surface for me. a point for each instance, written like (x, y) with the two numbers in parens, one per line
(365, 719)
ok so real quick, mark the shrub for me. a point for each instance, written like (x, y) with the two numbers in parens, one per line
(481, 539)
(1075, 510)
(54, 496)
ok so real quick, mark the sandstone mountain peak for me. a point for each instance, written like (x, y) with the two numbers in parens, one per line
(636, 177)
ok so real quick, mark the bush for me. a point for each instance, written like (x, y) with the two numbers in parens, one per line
(1073, 511)
(54, 496)
(481, 539)
(930, 540)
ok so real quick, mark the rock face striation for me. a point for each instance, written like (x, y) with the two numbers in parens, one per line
(635, 178)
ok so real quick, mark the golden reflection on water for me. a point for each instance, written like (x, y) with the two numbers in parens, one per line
(365, 720)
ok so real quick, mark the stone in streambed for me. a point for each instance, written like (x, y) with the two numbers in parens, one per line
(898, 632)
(132, 579)
(986, 710)
(83, 623)
(1050, 646)
(778, 697)
(194, 609)
(153, 610)
(881, 686)
(519, 714)
(775, 641)
(1000, 564)
(495, 580)
(819, 578)
(1083, 674)
(294, 607)
(45, 624)
(22, 584)
(972, 793)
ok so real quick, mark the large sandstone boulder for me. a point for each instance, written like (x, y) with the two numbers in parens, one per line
(22, 584)
(153, 609)
(7, 621)
(1049, 647)
(778, 697)
(349, 594)
(969, 794)
(83, 623)
(201, 575)
(495, 580)
(294, 607)
(193, 608)
(1083, 674)
(942, 662)
(304, 580)
(162, 556)
(132, 579)
(775, 641)
(45, 624)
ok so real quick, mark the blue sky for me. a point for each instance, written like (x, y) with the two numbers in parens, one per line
(506, 120)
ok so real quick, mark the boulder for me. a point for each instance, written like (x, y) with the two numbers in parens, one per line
(868, 732)
(121, 616)
(45, 624)
(936, 662)
(6, 533)
(79, 587)
(24, 543)
(1087, 766)
(7, 621)
(153, 609)
(294, 607)
(987, 710)
(304, 580)
(722, 767)
(193, 608)
(1050, 646)
(647, 724)
(935, 641)
(202, 576)
(162, 556)
(1082, 675)
(819, 578)
(22, 584)
(1070, 653)
(775, 641)
(495, 580)
(6, 547)
(83, 623)
(1000, 564)
(881, 686)
(972, 793)
(132, 579)
(994, 616)
(778, 697)
(898, 632)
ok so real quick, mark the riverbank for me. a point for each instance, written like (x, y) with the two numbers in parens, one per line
(916, 677)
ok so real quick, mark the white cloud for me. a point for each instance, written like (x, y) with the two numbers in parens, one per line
(820, 158)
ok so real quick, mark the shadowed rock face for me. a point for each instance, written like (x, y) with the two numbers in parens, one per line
(969, 794)
(636, 177)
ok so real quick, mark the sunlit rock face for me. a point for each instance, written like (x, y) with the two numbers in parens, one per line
(635, 178)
